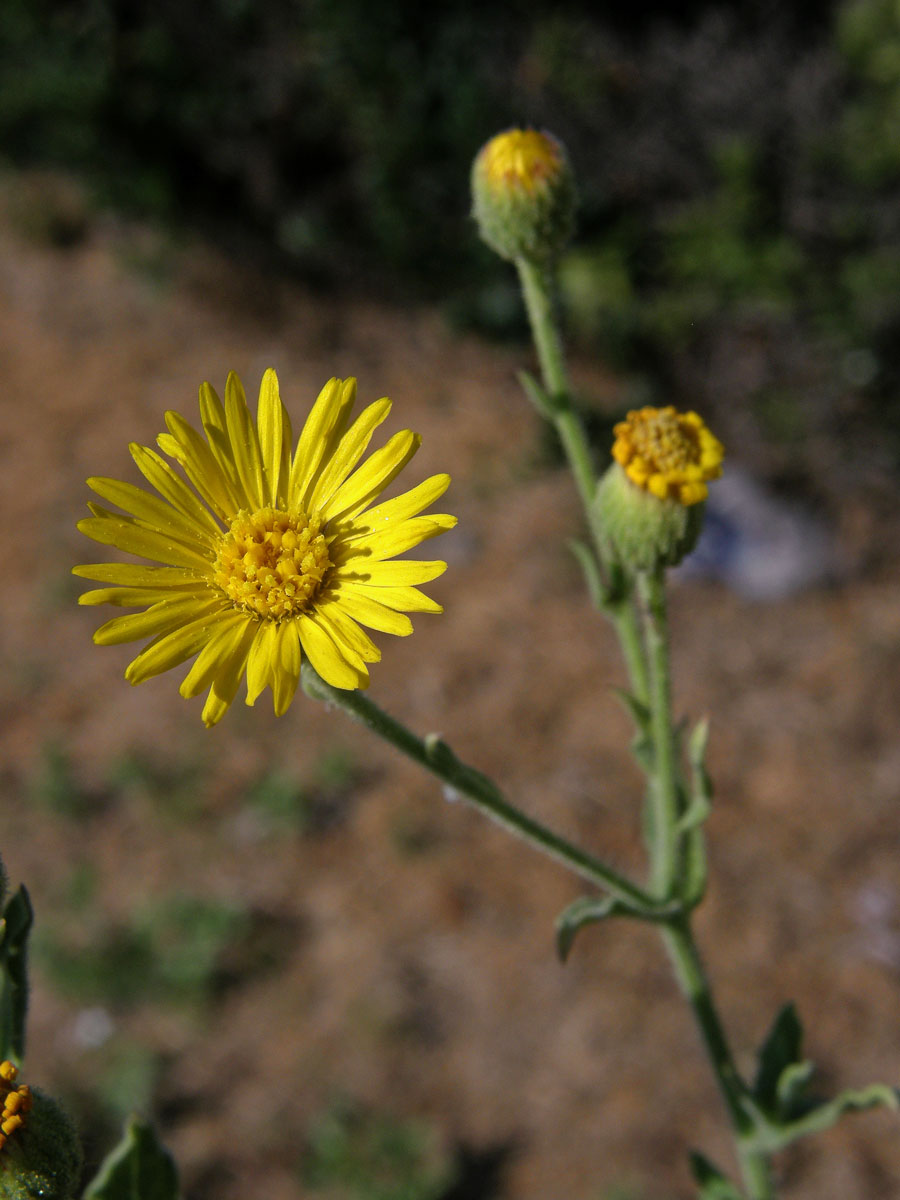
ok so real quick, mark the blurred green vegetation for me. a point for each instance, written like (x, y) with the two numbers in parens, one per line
(739, 167)
(169, 787)
(55, 787)
(171, 951)
(355, 1154)
(281, 803)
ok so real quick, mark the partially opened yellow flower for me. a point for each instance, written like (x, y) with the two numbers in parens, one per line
(276, 555)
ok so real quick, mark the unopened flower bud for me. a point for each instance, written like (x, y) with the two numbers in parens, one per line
(650, 501)
(40, 1155)
(523, 195)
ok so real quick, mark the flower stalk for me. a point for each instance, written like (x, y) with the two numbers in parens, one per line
(638, 612)
(694, 983)
(432, 753)
(539, 291)
(664, 781)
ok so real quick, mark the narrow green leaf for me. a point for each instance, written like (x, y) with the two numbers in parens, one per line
(139, 1168)
(694, 872)
(694, 810)
(586, 910)
(642, 750)
(636, 709)
(695, 813)
(439, 753)
(536, 394)
(443, 758)
(587, 560)
(792, 1085)
(712, 1184)
(782, 1048)
(642, 742)
(698, 807)
(877, 1095)
(698, 742)
(18, 917)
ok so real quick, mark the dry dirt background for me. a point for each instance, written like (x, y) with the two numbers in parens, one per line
(413, 967)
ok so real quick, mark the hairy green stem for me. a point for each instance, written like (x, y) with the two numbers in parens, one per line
(624, 618)
(482, 793)
(645, 647)
(692, 978)
(664, 783)
(756, 1173)
(665, 864)
(539, 291)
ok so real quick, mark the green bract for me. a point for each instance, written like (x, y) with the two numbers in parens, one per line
(646, 533)
(43, 1158)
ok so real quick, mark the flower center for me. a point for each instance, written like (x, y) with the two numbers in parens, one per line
(671, 454)
(17, 1101)
(272, 563)
(665, 441)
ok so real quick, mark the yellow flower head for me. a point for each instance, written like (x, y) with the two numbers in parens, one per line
(523, 195)
(273, 554)
(17, 1102)
(670, 454)
(521, 158)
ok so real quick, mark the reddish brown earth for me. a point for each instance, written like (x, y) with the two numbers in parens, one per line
(412, 966)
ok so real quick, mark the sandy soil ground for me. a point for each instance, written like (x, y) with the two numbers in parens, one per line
(401, 951)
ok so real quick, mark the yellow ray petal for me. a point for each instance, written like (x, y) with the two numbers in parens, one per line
(170, 649)
(153, 512)
(395, 539)
(141, 597)
(399, 572)
(285, 666)
(137, 575)
(125, 534)
(287, 445)
(321, 432)
(160, 475)
(376, 616)
(259, 660)
(223, 644)
(400, 508)
(347, 653)
(402, 599)
(244, 442)
(326, 657)
(347, 454)
(225, 683)
(193, 455)
(347, 629)
(366, 484)
(268, 419)
(161, 618)
(212, 416)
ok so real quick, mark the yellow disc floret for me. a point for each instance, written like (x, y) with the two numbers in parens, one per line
(17, 1102)
(272, 563)
(521, 158)
(670, 454)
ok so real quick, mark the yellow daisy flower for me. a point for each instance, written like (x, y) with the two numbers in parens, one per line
(275, 554)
